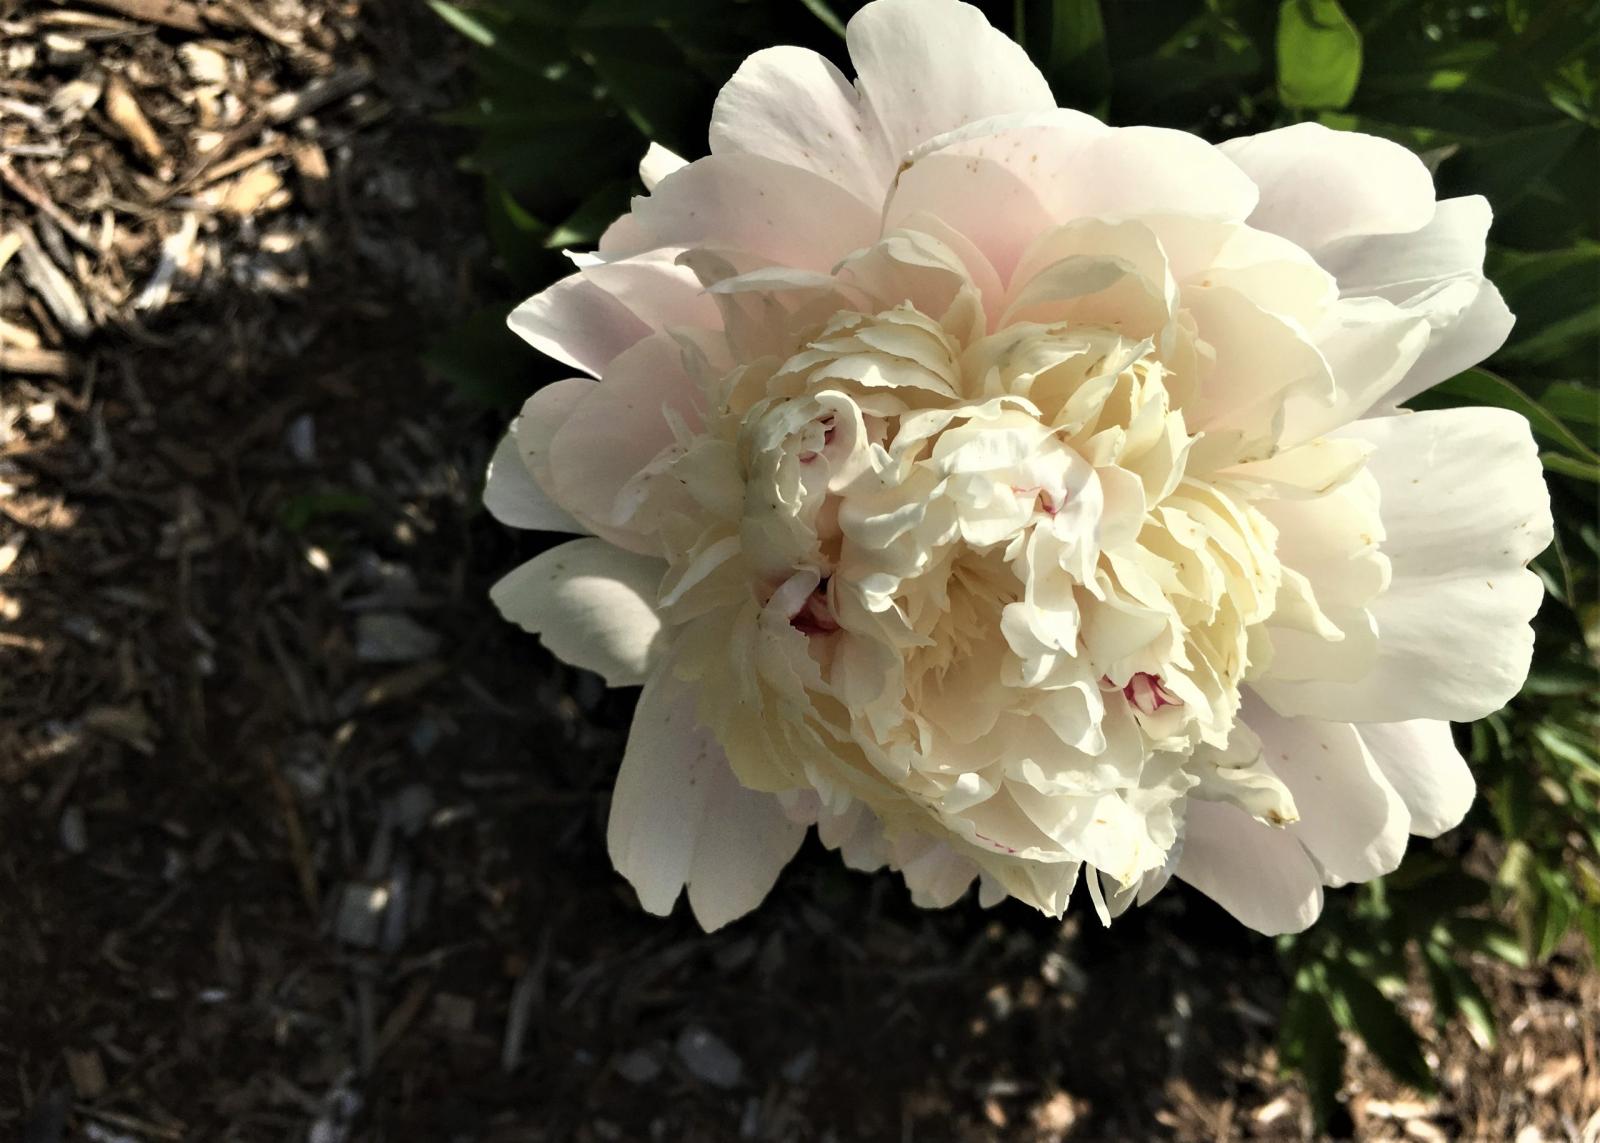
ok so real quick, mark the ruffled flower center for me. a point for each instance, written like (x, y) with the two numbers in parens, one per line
(979, 573)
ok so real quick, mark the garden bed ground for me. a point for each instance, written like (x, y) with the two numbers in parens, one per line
(299, 841)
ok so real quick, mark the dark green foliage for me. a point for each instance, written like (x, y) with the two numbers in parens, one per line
(1500, 99)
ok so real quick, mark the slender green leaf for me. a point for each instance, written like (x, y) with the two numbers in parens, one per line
(1475, 934)
(1388, 1034)
(1481, 387)
(1567, 466)
(1309, 1042)
(1462, 995)
(820, 9)
(1550, 912)
(465, 23)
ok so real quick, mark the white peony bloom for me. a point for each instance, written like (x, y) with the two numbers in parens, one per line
(1019, 499)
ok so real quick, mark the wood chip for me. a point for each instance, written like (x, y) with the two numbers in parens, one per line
(87, 1073)
(17, 336)
(66, 51)
(294, 830)
(175, 250)
(123, 109)
(221, 168)
(10, 550)
(311, 165)
(41, 201)
(127, 724)
(257, 190)
(73, 99)
(36, 362)
(1554, 1074)
(54, 288)
(204, 65)
(318, 93)
(177, 14)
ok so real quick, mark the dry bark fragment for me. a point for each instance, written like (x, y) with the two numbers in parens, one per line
(123, 109)
(177, 14)
(52, 286)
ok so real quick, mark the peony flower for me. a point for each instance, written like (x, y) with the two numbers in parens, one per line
(1019, 500)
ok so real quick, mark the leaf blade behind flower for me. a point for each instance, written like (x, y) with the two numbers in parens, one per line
(1319, 55)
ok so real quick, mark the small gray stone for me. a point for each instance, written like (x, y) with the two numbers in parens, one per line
(638, 1066)
(74, 834)
(359, 920)
(798, 1069)
(390, 637)
(301, 439)
(412, 805)
(708, 1058)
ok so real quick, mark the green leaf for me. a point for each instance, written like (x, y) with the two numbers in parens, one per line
(484, 361)
(1456, 993)
(1481, 387)
(1475, 934)
(1589, 922)
(821, 11)
(1577, 406)
(1374, 1017)
(297, 513)
(1319, 55)
(585, 225)
(646, 75)
(1067, 39)
(1567, 466)
(1551, 913)
(1308, 1041)
(468, 25)
(515, 234)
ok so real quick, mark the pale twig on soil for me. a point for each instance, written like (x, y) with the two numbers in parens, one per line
(299, 851)
(318, 93)
(179, 14)
(75, 230)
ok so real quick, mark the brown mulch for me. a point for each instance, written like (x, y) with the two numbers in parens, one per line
(298, 841)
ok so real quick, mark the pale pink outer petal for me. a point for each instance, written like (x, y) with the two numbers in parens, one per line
(992, 207)
(792, 105)
(1422, 763)
(587, 319)
(618, 428)
(679, 816)
(1411, 270)
(1076, 167)
(1392, 266)
(1478, 333)
(657, 290)
(513, 497)
(592, 605)
(1262, 875)
(657, 164)
(1370, 345)
(1464, 504)
(541, 418)
(925, 67)
(1133, 171)
(1319, 185)
(748, 203)
(1351, 819)
(577, 323)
